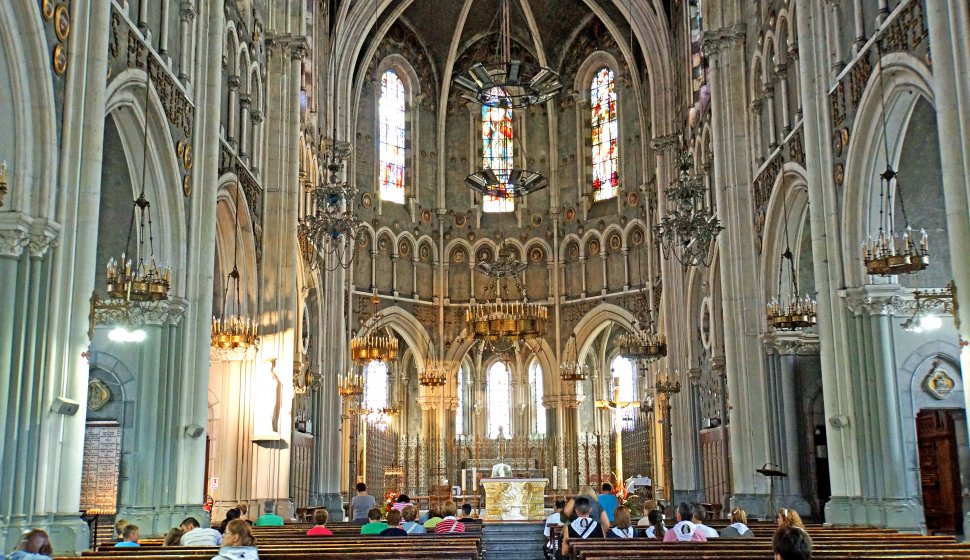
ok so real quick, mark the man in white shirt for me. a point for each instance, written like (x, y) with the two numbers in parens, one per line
(555, 518)
(198, 536)
(700, 514)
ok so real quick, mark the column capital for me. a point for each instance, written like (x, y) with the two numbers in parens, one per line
(299, 48)
(43, 236)
(872, 299)
(16, 230)
(187, 11)
(791, 343)
(713, 41)
(665, 143)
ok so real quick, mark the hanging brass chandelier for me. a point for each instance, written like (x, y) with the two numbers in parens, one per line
(790, 311)
(520, 84)
(689, 226)
(350, 384)
(141, 280)
(571, 369)
(233, 330)
(499, 316)
(643, 346)
(378, 344)
(433, 375)
(891, 252)
(332, 228)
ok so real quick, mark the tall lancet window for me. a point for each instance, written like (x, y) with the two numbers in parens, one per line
(375, 388)
(391, 133)
(606, 177)
(499, 401)
(497, 150)
(535, 379)
(460, 409)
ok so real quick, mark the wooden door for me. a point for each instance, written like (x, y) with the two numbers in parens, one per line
(939, 471)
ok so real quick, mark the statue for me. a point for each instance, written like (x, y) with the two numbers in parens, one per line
(501, 470)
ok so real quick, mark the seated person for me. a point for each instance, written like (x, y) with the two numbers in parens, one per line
(269, 517)
(361, 504)
(239, 543)
(233, 513)
(607, 500)
(198, 536)
(466, 513)
(597, 512)
(433, 519)
(789, 518)
(791, 543)
(583, 527)
(555, 518)
(33, 545)
(699, 514)
(738, 529)
(244, 512)
(173, 537)
(129, 537)
(374, 525)
(622, 527)
(402, 502)
(684, 530)
(412, 527)
(394, 525)
(449, 523)
(320, 517)
(657, 529)
(119, 529)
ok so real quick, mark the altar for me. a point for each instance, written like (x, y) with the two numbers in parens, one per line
(514, 499)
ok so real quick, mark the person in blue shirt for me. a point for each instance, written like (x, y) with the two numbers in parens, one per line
(607, 500)
(129, 536)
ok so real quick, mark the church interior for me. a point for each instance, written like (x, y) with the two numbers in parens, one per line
(707, 251)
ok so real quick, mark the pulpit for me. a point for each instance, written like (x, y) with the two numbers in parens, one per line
(514, 499)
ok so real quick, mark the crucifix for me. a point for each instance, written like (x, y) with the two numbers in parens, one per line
(616, 405)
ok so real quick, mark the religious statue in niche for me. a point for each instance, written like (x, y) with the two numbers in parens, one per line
(98, 394)
(938, 383)
(267, 414)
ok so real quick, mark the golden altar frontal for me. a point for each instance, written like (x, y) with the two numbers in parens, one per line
(514, 499)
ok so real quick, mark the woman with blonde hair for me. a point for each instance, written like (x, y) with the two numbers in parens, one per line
(238, 543)
(738, 529)
(622, 528)
(789, 518)
(597, 513)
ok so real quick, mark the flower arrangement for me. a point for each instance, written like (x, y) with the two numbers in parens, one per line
(389, 501)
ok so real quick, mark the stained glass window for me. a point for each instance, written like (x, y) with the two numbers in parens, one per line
(375, 388)
(698, 74)
(535, 379)
(460, 409)
(499, 401)
(624, 377)
(497, 150)
(606, 178)
(391, 144)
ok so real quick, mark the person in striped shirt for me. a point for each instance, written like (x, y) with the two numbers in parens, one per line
(450, 523)
(198, 536)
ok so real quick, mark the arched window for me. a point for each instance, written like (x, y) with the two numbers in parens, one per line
(624, 377)
(499, 401)
(535, 380)
(375, 388)
(497, 150)
(391, 133)
(460, 409)
(606, 178)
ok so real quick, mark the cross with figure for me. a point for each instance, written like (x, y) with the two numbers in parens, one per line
(616, 405)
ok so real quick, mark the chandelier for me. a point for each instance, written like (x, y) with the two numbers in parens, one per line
(332, 228)
(142, 280)
(495, 319)
(513, 183)
(643, 345)
(689, 227)
(232, 330)
(572, 370)
(433, 375)
(350, 384)
(521, 84)
(379, 344)
(790, 311)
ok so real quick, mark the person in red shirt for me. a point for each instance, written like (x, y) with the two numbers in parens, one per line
(449, 524)
(320, 516)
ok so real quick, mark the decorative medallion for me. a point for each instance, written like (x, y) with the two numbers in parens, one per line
(62, 22)
(403, 248)
(98, 394)
(593, 248)
(187, 186)
(536, 254)
(570, 214)
(460, 220)
(458, 256)
(471, 236)
(187, 157)
(536, 220)
(839, 174)
(363, 241)
(426, 216)
(573, 251)
(425, 252)
(47, 9)
(633, 198)
(615, 242)
(841, 141)
(180, 148)
(366, 201)
(60, 59)
(484, 256)
(382, 244)
(938, 383)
